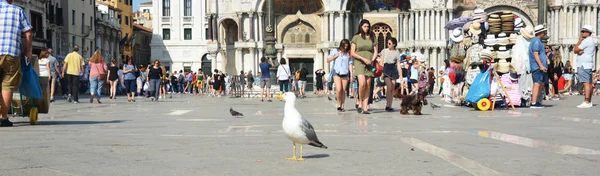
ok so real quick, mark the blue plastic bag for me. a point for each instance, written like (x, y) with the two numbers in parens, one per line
(30, 85)
(480, 88)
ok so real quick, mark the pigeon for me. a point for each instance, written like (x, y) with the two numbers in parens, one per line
(235, 113)
(298, 129)
(433, 106)
(329, 98)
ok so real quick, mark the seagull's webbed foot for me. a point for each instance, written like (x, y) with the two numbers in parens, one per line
(294, 154)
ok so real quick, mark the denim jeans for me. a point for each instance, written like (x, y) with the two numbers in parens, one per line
(96, 87)
(154, 88)
(284, 85)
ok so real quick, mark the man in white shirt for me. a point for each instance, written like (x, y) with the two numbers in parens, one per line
(585, 50)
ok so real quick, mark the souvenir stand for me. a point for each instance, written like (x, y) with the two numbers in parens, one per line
(488, 42)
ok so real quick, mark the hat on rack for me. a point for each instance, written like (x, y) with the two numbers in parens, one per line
(457, 59)
(490, 40)
(507, 17)
(493, 18)
(475, 28)
(503, 53)
(518, 22)
(526, 32)
(503, 39)
(456, 35)
(539, 28)
(512, 38)
(502, 66)
(466, 26)
(486, 54)
(514, 76)
(477, 12)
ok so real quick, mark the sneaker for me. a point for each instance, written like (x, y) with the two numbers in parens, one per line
(75, 102)
(69, 99)
(151, 98)
(555, 99)
(5, 123)
(537, 106)
(585, 105)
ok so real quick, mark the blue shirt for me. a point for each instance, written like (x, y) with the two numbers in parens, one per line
(586, 60)
(537, 45)
(264, 70)
(129, 75)
(13, 22)
(341, 63)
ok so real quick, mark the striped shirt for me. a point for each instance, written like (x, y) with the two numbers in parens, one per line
(13, 22)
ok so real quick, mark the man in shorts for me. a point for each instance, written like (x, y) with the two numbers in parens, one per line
(585, 50)
(265, 78)
(302, 81)
(539, 65)
(13, 23)
(54, 72)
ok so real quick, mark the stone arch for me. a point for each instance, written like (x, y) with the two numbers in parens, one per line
(496, 6)
(228, 31)
(395, 5)
(310, 20)
(299, 32)
(293, 6)
(517, 11)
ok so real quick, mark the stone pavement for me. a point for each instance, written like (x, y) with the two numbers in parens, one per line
(196, 136)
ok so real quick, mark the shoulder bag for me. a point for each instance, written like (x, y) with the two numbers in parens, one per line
(100, 76)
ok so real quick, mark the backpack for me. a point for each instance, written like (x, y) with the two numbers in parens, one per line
(297, 75)
(180, 78)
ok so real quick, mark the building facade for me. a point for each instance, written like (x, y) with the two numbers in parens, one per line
(108, 31)
(79, 28)
(179, 31)
(55, 24)
(125, 17)
(144, 16)
(36, 12)
(141, 44)
(307, 30)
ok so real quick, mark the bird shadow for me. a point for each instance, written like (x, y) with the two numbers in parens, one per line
(317, 156)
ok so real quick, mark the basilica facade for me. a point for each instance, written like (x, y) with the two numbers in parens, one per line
(229, 35)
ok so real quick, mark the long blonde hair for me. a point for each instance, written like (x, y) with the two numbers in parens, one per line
(97, 57)
(557, 60)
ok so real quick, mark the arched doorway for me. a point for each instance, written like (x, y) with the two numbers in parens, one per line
(227, 39)
(516, 11)
(206, 65)
(299, 39)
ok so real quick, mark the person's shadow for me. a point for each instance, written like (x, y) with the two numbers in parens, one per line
(78, 122)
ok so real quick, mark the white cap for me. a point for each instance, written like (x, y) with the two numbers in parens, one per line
(587, 28)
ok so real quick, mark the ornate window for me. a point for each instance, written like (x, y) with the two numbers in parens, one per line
(300, 33)
(383, 32)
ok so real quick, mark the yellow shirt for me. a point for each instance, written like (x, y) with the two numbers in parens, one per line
(74, 62)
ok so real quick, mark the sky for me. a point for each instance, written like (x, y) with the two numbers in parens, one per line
(136, 4)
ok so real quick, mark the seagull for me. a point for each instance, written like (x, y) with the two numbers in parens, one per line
(329, 98)
(433, 106)
(296, 128)
(235, 113)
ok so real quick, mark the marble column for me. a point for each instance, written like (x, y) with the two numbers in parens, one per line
(562, 22)
(238, 60)
(210, 28)
(251, 22)
(215, 28)
(595, 11)
(331, 25)
(570, 22)
(443, 24)
(418, 27)
(405, 27)
(278, 55)
(411, 24)
(347, 26)
(240, 19)
(260, 55)
(399, 27)
(259, 28)
(556, 25)
(252, 58)
(578, 20)
(425, 26)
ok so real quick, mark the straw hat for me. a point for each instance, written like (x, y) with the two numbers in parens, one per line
(513, 38)
(503, 39)
(507, 12)
(456, 35)
(518, 22)
(502, 66)
(479, 12)
(502, 53)
(539, 28)
(527, 32)
(457, 59)
(475, 28)
(490, 40)
(486, 54)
